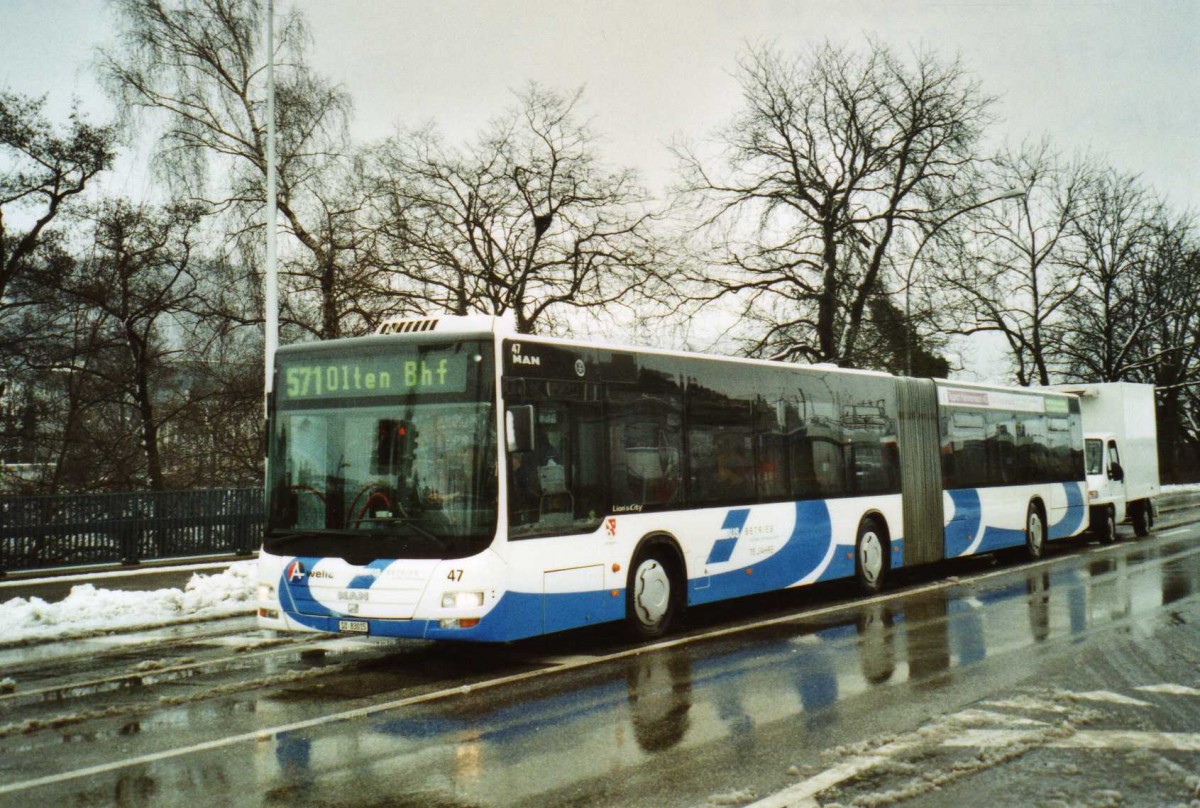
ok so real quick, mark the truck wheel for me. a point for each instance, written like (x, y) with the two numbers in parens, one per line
(1140, 517)
(1106, 531)
(1035, 532)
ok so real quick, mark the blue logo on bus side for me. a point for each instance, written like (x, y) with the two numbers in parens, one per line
(809, 546)
(722, 549)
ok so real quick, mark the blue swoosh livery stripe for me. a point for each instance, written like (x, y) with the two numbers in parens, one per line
(964, 525)
(1076, 514)
(803, 552)
(366, 581)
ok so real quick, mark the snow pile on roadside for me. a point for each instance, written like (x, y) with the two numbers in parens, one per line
(88, 609)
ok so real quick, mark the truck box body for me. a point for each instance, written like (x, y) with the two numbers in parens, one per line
(1124, 411)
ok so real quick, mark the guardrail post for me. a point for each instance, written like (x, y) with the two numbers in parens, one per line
(127, 535)
(248, 520)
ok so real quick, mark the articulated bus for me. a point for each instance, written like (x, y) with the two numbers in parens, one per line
(451, 479)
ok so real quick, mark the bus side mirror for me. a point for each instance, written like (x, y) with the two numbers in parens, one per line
(518, 422)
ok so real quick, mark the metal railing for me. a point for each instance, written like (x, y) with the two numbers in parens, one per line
(55, 531)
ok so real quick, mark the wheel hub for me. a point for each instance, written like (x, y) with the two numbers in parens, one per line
(652, 594)
(870, 557)
(1035, 530)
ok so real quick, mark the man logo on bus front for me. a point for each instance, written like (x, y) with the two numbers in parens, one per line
(295, 571)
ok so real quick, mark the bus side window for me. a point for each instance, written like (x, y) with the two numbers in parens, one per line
(645, 451)
(770, 435)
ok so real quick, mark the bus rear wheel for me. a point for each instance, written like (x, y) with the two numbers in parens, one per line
(651, 596)
(1035, 532)
(870, 556)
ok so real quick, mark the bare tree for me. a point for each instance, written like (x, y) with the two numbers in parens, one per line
(1108, 324)
(831, 158)
(203, 65)
(524, 220)
(114, 327)
(1010, 272)
(1169, 350)
(41, 171)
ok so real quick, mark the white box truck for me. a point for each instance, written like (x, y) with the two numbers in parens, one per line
(1120, 455)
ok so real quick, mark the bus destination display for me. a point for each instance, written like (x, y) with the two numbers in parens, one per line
(367, 376)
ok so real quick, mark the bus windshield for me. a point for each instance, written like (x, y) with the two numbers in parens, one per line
(387, 453)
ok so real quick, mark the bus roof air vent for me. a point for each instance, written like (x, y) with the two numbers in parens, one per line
(398, 326)
(449, 324)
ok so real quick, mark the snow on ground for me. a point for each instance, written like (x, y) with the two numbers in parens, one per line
(88, 609)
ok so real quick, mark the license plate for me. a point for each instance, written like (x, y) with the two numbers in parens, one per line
(353, 626)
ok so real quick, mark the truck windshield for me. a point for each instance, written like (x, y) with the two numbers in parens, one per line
(1093, 453)
(386, 453)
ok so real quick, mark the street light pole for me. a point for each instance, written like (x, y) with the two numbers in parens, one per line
(271, 293)
(913, 263)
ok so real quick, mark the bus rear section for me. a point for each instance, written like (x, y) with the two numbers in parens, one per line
(1012, 468)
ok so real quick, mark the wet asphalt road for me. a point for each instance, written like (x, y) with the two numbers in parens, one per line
(1072, 681)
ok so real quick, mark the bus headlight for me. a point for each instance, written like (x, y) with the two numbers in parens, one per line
(266, 599)
(462, 600)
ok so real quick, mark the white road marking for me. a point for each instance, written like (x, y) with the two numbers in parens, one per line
(265, 734)
(1027, 703)
(1184, 529)
(1170, 689)
(572, 659)
(1110, 698)
(1083, 739)
(805, 791)
(974, 716)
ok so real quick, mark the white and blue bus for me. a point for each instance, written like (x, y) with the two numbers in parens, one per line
(451, 479)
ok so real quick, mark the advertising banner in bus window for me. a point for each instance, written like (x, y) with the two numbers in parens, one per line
(998, 400)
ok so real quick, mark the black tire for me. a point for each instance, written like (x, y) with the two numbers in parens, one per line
(1035, 532)
(870, 556)
(651, 594)
(1140, 517)
(1106, 531)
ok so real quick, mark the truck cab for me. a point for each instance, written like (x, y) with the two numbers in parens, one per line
(1107, 501)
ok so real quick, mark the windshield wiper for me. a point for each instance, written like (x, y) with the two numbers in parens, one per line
(286, 538)
(411, 521)
(316, 533)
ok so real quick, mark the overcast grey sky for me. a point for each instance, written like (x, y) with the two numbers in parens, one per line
(1120, 78)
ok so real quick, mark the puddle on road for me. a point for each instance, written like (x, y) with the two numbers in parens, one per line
(608, 722)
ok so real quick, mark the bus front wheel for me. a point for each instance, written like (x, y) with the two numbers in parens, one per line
(650, 597)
